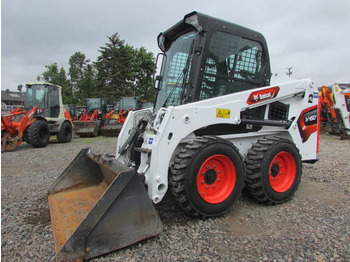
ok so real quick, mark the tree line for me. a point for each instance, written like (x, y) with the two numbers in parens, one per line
(120, 70)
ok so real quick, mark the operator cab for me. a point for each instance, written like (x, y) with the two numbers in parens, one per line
(45, 96)
(204, 57)
(98, 104)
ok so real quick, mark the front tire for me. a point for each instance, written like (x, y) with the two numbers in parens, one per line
(274, 170)
(207, 176)
(39, 133)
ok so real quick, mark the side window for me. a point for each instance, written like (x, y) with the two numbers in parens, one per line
(233, 64)
(54, 103)
(29, 98)
(175, 77)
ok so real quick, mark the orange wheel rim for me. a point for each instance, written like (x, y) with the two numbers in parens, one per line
(282, 172)
(216, 179)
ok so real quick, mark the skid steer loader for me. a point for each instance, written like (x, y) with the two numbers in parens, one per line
(216, 126)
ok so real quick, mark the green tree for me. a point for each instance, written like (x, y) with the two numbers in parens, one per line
(82, 77)
(77, 63)
(144, 69)
(123, 70)
(88, 83)
(120, 70)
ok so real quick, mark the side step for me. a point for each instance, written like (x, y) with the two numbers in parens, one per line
(98, 205)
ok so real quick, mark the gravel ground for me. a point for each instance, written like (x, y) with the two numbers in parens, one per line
(314, 226)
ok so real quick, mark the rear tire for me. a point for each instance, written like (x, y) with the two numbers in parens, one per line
(207, 176)
(274, 170)
(39, 133)
(65, 134)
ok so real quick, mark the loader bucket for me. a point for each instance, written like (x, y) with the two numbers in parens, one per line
(98, 205)
(111, 129)
(86, 128)
(8, 142)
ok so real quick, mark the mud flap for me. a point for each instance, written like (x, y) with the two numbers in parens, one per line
(86, 128)
(98, 205)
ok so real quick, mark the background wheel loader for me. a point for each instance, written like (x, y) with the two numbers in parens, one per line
(115, 120)
(43, 115)
(92, 119)
(216, 126)
(335, 109)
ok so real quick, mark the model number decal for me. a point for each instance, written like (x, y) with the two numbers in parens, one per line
(223, 113)
(310, 118)
(263, 95)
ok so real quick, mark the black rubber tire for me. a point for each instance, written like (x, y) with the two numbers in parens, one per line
(39, 133)
(25, 136)
(186, 169)
(259, 167)
(65, 134)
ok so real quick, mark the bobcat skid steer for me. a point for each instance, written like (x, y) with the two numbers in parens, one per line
(216, 126)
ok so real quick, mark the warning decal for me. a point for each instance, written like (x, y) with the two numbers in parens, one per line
(223, 113)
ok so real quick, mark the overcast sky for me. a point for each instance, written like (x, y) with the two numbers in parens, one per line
(312, 36)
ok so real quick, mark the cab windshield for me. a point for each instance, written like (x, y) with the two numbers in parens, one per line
(175, 71)
(93, 104)
(35, 96)
(129, 103)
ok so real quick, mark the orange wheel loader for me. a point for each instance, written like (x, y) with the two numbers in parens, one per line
(92, 118)
(114, 123)
(43, 115)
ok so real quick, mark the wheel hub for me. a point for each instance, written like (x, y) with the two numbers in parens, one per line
(210, 176)
(275, 169)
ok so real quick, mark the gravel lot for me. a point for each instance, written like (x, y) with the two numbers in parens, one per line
(314, 226)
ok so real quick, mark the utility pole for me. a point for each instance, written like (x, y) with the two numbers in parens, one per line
(289, 71)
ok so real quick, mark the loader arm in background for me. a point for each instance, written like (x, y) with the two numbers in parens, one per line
(342, 107)
(12, 130)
